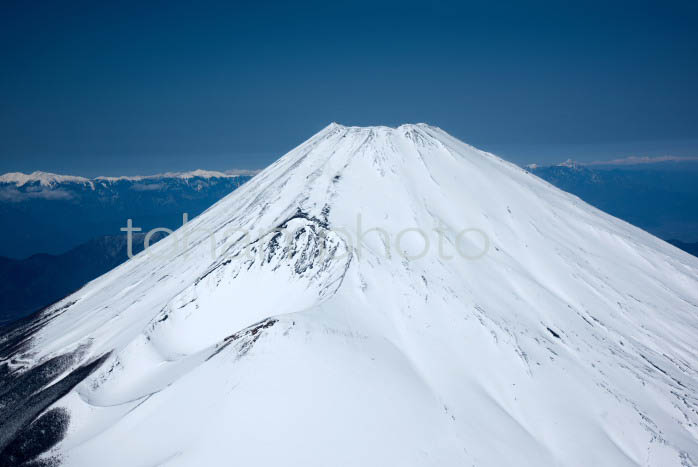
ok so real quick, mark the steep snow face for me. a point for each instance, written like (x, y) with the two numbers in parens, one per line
(482, 318)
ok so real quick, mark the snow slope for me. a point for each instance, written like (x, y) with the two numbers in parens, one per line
(264, 333)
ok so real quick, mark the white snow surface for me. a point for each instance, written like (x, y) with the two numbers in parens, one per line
(572, 341)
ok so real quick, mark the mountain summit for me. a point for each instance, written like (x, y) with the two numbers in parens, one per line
(378, 296)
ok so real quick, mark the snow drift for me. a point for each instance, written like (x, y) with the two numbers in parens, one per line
(480, 316)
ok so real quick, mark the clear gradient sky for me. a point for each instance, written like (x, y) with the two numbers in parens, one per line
(91, 88)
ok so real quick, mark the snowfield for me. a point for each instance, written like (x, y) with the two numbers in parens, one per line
(531, 330)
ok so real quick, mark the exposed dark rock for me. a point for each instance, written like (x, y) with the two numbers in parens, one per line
(27, 430)
(37, 438)
(247, 337)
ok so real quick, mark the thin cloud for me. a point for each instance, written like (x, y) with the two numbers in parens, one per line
(12, 195)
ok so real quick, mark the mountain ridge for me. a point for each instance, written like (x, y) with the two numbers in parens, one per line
(55, 217)
(49, 179)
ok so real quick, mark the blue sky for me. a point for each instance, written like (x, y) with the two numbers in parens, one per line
(144, 87)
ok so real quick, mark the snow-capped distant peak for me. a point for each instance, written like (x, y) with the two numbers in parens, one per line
(43, 178)
(198, 173)
(572, 164)
(50, 179)
(203, 174)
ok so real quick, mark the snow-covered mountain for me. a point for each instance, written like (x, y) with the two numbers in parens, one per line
(46, 179)
(533, 329)
(41, 178)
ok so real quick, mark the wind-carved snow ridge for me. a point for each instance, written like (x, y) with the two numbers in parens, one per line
(323, 314)
(311, 258)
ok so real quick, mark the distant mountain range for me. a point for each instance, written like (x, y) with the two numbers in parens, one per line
(52, 213)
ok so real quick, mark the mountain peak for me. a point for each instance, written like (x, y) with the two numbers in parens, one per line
(375, 281)
(404, 126)
(569, 163)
